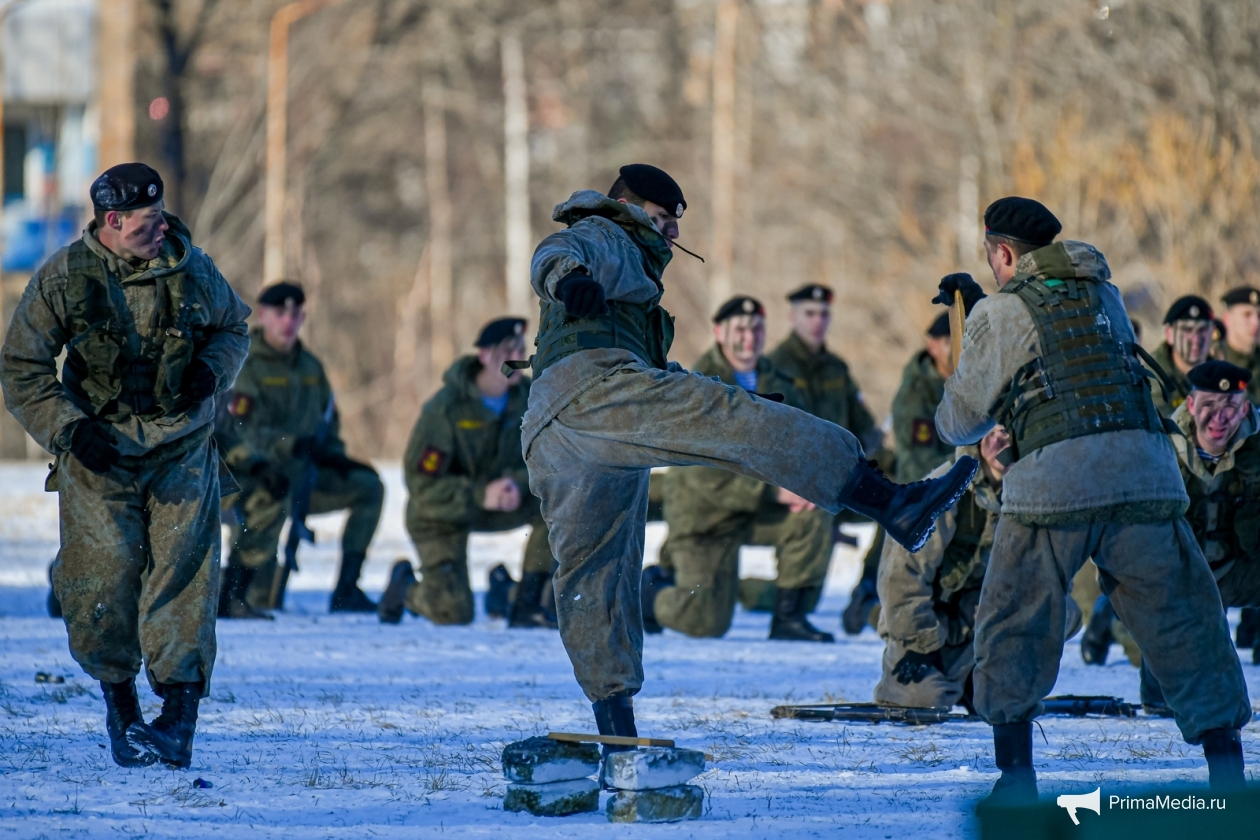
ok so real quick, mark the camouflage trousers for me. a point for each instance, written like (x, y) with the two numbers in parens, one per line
(1161, 588)
(590, 466)
(443, 594)
(261, 518)
(706, 566)
(138, 570)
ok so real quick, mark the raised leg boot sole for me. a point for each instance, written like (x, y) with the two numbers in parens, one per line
(171, 749)
(926, 529)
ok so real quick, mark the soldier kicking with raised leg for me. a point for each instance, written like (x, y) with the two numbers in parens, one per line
(606, 407)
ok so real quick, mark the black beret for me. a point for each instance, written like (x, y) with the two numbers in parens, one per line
(497, 330)
(646, 181)
(1243, 294)
(1021, 219)
(1219, 330)
(739, 305)
(127, 186)
(280, 294)
(1219, 377)
(814, 291)
(1189, 308)
(940, 327)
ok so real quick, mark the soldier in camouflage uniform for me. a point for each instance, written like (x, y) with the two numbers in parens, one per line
(465, 473)
(269, 433)
(712, 512)
(152, 333)
(920, 449)
(1187, 342)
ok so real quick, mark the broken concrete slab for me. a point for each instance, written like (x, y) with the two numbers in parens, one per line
(671, 804)
(651, 767)
(554, 799)
(539, 760)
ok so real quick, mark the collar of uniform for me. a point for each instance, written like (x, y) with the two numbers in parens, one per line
(799, 350)
(1062, 261)
(629, 217)
(1187, 445)
(462, 376)
(927, 366)
(168, 258)
(1243, 360)
(714, 363)
(259, 347)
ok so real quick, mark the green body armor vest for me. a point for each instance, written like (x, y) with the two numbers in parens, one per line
(101, 369)
(1085, 382)
(644, 329)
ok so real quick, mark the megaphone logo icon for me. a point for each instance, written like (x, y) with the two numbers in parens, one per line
(1072, 801)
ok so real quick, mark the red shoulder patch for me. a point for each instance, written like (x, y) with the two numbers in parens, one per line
(240, 405)
(431, 461)
(923, 432)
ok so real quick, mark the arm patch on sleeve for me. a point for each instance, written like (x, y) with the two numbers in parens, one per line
(240, 405)
(431, 461)
(923, 432)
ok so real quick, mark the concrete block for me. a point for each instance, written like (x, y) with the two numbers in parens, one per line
(539, 760)
(554, 799)
(671, 804)
(652, 767)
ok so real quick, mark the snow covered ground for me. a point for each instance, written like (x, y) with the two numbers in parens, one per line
(322, 726)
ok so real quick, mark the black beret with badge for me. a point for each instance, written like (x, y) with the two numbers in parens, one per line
(739, 305)
(813, 291)
(127, 186)
(1219, 377)
(1188, 308)
(282, 294)
(1243, 294)
(940, 327)
(1021, 219)
(647, 181)
(498, 330)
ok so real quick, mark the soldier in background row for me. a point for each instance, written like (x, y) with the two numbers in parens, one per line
(269, 433)
(1187, 342)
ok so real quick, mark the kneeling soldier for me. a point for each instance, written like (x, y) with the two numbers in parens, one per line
(270, 432)
(712, 512)
(465, 473)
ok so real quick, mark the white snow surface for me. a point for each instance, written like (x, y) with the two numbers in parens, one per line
(337, 726)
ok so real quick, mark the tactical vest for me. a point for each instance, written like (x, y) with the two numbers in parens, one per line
(644, 329)
(1085, 382)
(101, 368)
(1226, 521)
(961, 555)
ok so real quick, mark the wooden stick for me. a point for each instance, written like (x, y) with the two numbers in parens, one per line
(957, 324)
(610, 740)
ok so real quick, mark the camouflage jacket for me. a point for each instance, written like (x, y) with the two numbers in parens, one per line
(142, 324)
(1224, 499)
(698, 499)
(1181, 389)
(458, 446)
(824, 382)
(919, 448)
(929, 598)
(278, 398)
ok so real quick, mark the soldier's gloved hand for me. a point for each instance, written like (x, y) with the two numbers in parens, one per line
(272, 479)
(199, 380)
(961, 282)
(91, 443)
(582, 297)
(914, 666)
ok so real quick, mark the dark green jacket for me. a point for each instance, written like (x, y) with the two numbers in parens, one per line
(824, 381)
(458, 446)
(1250, 362)
(278, 398)
(698, 499)
(919, 448)
(1181, 389)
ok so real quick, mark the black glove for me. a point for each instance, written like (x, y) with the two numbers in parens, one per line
(582, 296)
(913, 667)
(962, 282)
(271, 478)
(91, 443)
(199, 381)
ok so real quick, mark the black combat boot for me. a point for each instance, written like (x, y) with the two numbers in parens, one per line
(615, 716)
(122, 709)
(857, 614)
(1096, 640)
(1012, 749)
(908, 512)
(232, 603)
(1246, 636)
(54, 603)
(1223, 750)
(790, 623)
(527, 608)
(394, 599)
(653, 581)
(499, 593)
(171, 733)
(348, 597)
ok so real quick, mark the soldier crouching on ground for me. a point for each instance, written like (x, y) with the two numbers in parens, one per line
(269, 433)
(465, 473)
(606, 407)
(1092, 474)
(152, 332)
(712, 512)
